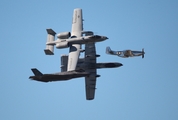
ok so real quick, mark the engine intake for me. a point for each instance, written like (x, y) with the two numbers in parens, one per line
(64, 35)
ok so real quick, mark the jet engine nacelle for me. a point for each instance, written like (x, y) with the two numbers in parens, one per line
(63, 35)
(61, 45)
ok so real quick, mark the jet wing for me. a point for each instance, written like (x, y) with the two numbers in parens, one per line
(77, 23)
(74, 53)
(90, 81)
(77, 28)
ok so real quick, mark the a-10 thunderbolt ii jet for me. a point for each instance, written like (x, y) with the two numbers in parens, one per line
(125, 53)
(71, 65)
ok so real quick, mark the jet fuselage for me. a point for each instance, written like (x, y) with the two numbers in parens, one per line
(60, 43)
(62, 76)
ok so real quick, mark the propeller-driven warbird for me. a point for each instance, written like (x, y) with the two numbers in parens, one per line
(71, 65)
(125, 53)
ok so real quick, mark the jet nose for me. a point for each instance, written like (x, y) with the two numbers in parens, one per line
(105, 38)
(119, 64)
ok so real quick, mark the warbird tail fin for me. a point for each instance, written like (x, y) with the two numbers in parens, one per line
(50, 38)
(108, 50)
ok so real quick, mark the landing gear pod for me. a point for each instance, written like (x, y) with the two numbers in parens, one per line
(64, 63)
(50, 38)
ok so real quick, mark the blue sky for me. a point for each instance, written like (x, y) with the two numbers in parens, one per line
(141, 89)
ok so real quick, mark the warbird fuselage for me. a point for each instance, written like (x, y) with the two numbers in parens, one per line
(125, 53)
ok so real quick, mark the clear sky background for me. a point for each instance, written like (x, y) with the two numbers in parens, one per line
(142, 89)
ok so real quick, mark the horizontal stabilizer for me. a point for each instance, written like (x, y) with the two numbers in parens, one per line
(50, 38)
(36, 72)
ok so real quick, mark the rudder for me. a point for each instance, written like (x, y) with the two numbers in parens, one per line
(36, 72)
(108, 50)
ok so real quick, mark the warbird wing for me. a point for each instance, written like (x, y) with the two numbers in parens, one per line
(90, 81)
(77, 28)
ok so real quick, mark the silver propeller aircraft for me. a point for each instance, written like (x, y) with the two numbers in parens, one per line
(71, 65)
(125, 53)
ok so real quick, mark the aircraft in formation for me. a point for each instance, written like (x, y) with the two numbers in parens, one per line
(125, 53)
(71, 65)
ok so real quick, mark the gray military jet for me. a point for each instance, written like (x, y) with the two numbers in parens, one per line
(125, 53)
(60, 76)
